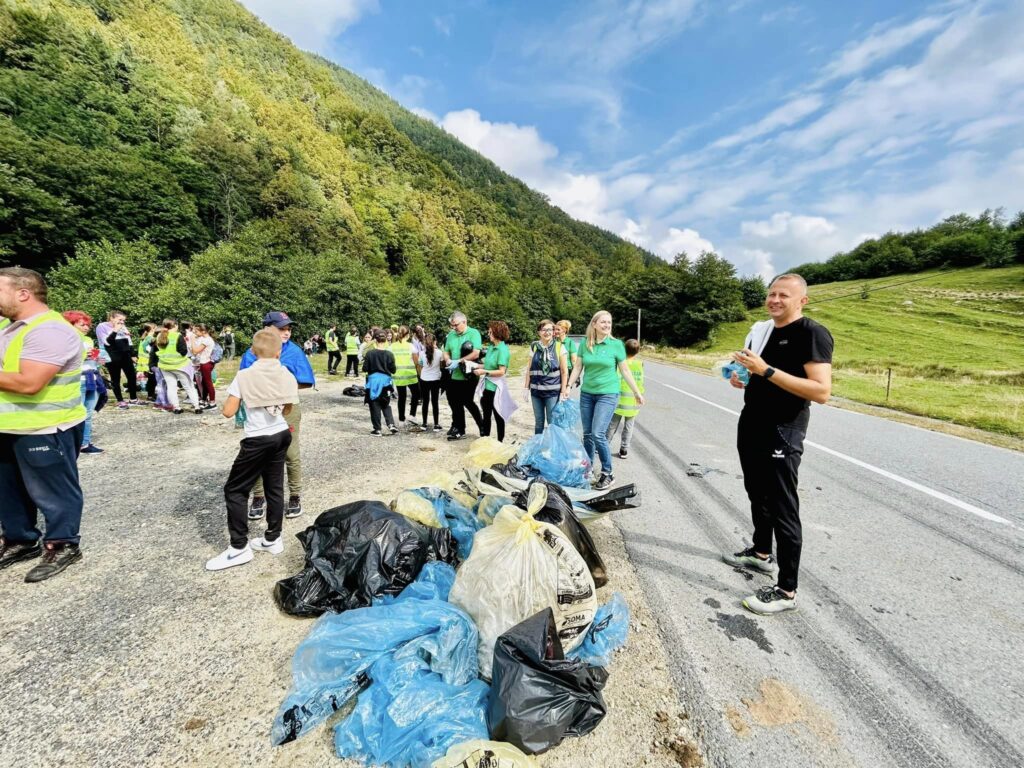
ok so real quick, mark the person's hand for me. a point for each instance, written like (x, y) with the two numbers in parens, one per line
(639, 399)
(734, 379)
(563, 396)
(479, 372)
(752, 362)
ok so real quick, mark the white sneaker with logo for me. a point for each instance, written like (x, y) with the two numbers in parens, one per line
(275, 547)
(229, 558)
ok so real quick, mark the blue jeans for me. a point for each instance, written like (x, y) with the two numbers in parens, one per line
(596, 412)
(39, 474)
(89, 401)
(542, 406)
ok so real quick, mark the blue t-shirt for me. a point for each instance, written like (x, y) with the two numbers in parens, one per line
(292, 358)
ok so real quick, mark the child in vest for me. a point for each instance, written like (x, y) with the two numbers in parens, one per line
(627, 408)
(268, 390)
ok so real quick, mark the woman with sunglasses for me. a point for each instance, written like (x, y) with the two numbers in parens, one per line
(546, 375)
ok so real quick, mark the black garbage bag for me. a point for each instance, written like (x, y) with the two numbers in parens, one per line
(556, 509)
(623, 497)
(467, 349)
(511, 468)
(354, 390)
(357, 552)
(538, 697)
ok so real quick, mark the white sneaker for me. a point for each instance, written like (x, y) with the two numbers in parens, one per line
(228, 558)
(275, 547)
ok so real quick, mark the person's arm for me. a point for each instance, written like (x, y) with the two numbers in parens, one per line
(627, 376)
(563, 372)
(230, 407)
(817, 387)
(416, 362)
(287, 409)
(392, 366)
(30, 379)
(577, 369)
(182, 346)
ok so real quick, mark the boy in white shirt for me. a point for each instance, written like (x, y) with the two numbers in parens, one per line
(268, 390)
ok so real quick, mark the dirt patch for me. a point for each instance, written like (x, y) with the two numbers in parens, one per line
(737, 722)
(780, 705)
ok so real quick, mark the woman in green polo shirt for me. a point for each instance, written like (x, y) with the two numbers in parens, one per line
(495, 366)
(601, 359)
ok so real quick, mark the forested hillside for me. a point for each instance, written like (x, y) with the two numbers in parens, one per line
(178, 157)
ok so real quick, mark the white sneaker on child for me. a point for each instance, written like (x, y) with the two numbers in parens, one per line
(229, 558)
(275, 547)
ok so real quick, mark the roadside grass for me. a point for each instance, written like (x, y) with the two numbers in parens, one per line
(954, 341)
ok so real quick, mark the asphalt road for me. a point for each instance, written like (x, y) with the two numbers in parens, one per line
(906, 649)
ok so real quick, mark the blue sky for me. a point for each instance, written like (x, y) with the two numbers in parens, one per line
(772, 132)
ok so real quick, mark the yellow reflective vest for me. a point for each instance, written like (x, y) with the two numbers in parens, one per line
(168, 358)
(58, 402)
(627, 406)
(405, 370)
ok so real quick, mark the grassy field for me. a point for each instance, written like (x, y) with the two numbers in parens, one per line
(954, 341)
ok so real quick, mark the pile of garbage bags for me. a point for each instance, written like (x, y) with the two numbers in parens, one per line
(460, 626)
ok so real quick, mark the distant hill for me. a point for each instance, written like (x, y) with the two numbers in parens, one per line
(952, 339)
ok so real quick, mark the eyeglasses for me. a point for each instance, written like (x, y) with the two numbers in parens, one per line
(547, 330)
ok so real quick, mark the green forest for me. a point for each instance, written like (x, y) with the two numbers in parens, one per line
(180, 158)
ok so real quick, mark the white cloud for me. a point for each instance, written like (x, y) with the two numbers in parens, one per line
(683, 240)
(519, 150)
(426, 114)
(311, 24)
(787, 239)
(880, 45)
(791, 112)
(443, 24)
(754, 261)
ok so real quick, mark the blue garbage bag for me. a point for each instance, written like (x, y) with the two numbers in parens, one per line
(606, 635)
(558, 455)
(488, 506)
(453, 515)
(331, 664)
(567, 416)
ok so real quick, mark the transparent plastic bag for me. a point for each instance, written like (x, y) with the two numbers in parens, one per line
(416, 507)
(452, 514)
(489, 505)
(486, 451)
(558, 455)
(519, 566)
(567, 416)
(485, 754)
(606, 635)
(330, 665)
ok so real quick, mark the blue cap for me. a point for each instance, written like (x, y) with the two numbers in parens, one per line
(278, 319)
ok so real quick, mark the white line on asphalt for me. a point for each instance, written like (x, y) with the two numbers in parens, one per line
(982, 513)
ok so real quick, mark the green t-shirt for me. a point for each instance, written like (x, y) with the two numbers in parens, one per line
(570, 352)
(600, 366)
(497, 355)
(453, 344)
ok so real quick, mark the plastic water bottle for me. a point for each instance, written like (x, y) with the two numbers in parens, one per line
(728, 367)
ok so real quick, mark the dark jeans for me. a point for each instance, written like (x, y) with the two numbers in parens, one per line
(487, 402)
(381, 405)
(403, 392)
(429, 392)
(258, 457)
(334, 360)
(352, 364)
(770, 458)
(150, 383)
(126, 366)
(460, 398)
(39, 475)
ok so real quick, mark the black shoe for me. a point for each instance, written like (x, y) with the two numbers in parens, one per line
(604, 482)
(258, 507)
(12, 552)
(438, 427)
(56, 557)
(456, 435)
(376, 433)
(294, 508)
(393, 428)
(623, 453)
(177, 411)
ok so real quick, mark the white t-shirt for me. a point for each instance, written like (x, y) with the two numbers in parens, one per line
(431, 369)
(204, 354)
(263, 421)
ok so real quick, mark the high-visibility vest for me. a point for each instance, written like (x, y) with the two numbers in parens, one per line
(351, 345)
(58, 402)
(144, 351)
(405, 371)
(168, 357)
(627, 406)
(331, 337)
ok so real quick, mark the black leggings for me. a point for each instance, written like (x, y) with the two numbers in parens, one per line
(333, 360)
(403, 391)
(115, 369)
(429, 391)
(487, 403)
(352, 364)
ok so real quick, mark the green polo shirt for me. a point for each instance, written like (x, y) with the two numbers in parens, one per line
(497, 355)
(600, 366)
(453, 343)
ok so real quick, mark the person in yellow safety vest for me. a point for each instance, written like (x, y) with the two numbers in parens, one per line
(405, 378)
(333, 350)
(627, 408)
(352, 353)
(42, 421)
(176, 366)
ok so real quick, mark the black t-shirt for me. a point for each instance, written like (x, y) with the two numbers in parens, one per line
(788, 349)
(379, 361)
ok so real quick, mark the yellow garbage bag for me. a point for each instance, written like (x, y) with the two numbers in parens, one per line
(415, 507)
(484, 754)
(485, 452)
(454, 484)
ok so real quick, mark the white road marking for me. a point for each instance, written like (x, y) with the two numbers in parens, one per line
(982, 513)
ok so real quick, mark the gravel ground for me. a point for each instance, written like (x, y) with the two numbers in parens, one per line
(137, 656)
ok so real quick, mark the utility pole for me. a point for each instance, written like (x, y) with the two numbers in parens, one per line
(638, 310)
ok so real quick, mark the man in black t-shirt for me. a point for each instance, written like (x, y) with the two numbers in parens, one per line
(792, 368)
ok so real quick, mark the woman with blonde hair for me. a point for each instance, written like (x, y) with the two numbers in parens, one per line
(603, 359)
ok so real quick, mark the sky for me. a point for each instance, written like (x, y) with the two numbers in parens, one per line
(773, 133)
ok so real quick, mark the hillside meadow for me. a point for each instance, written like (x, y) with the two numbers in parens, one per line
(952, 339)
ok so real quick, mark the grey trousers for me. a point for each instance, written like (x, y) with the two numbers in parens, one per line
(627, 430)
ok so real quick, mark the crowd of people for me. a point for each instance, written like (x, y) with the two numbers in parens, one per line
(51, 384)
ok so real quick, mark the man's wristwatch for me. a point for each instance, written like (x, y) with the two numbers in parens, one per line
(769, 372)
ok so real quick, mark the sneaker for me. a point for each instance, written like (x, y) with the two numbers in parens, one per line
(749, 559)
(294, 508)
(393, 428)
(90, 448)
(623, 453)
(198, 410)
(210, 406)
(275, 547)
(332, 373)
(376, 433)
(258, 507)
(134, 402)
(12, 552)
(604, 482)
(438, 428)
(456, 435)
(229, 558)
(769, 600)
(56, 557)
